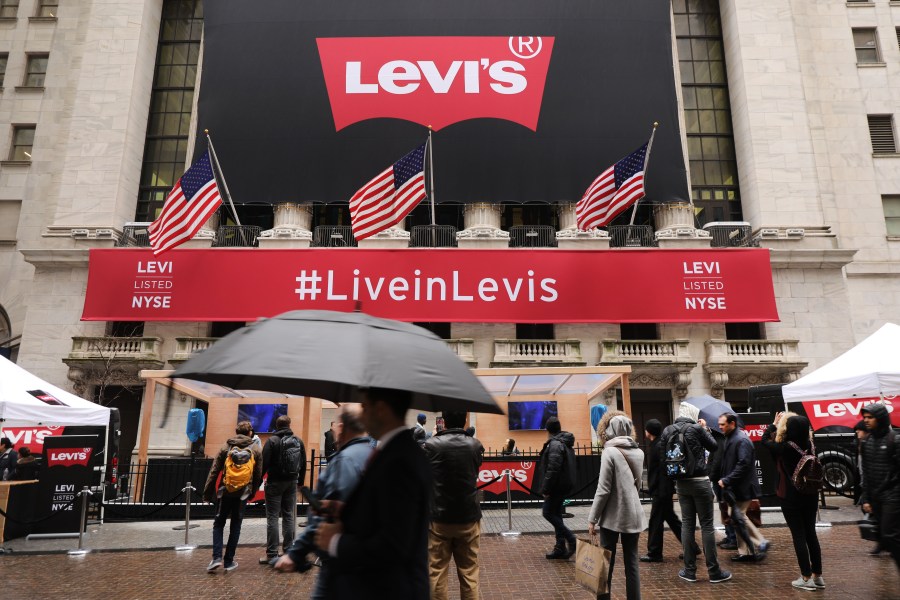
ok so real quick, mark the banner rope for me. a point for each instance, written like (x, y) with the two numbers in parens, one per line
(494, 480)
(107, 506)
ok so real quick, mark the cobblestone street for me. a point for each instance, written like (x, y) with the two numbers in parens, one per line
(512, 568)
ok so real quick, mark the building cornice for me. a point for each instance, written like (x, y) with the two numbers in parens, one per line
(813, 258)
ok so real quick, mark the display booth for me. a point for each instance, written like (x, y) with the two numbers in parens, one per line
(71, 436)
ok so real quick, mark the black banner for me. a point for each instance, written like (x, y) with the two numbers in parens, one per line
(279, 137)
(68, 466)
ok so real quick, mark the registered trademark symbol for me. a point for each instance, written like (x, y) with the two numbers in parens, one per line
(525, 46)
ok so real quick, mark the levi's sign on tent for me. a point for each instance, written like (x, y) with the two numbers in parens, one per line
(530, 100)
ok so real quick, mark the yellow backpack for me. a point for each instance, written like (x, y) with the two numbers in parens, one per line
(239, 463)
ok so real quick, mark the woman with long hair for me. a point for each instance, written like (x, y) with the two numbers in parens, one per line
(617, 505)
(788, 438)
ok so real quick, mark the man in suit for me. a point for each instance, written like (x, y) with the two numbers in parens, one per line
(379, 540)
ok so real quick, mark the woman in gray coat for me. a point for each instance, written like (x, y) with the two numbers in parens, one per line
(617, 507)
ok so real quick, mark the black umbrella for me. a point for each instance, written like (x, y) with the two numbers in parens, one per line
(331, 355)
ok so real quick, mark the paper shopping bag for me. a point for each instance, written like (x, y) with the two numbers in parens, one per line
(592, 566)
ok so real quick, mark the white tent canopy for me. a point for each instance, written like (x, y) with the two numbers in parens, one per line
(868, 370)
(21, 407)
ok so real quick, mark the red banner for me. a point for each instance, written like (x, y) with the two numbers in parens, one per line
(846, 412)
(68, 457)
(522, 471)
(32, 437)
(449, 285)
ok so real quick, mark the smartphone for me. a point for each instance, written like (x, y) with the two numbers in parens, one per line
(439, 423)
(47, 398)
(311, 497)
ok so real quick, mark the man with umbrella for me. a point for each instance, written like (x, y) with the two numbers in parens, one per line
(379, 541)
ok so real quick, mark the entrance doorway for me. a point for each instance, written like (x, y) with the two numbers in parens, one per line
(647, 405)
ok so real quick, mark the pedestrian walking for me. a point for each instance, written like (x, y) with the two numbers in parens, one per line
(715, 474)
(239, 461)
(456, 515)
(788, 438)
(284, 463)
(661, 490)
(329, 447)
(420, 434)
(555, 479)
(684, 444)
(881, 477)
(862, 432)
(740, 486)
(617, 504)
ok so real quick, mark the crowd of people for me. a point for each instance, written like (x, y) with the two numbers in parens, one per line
(19, 465)
(395, 504)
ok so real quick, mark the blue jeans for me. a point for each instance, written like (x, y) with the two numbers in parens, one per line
(228, 508)
(552, 510)
(281, 501)
(697, 500)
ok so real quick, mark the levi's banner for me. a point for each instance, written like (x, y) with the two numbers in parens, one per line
(449, 285)
(67, 457)
(845, 411)
(522, 471)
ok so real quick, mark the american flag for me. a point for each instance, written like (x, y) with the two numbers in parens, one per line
(387, 199)
(614, 190)
(188, 206)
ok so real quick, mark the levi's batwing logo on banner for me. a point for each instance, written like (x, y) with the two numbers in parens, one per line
(435, 81)
(68, 457)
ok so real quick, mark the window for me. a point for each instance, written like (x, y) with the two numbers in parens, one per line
(891, 205)
(23, 140)
(897, 31)
(638, 331)
(36, 70)
(9, 9)
(3, 58)
(534, 331)
(442, 330)
(125, 329)
(47, 8)
(881, 130)
(744, 331)
(866, 43)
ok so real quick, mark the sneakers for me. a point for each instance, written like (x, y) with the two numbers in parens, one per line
(720, 577)
(726, 545)
(691, 577)
(764, 546)
(819, 582)
(804, 584)
(214, 564)
(650, 559)
(267, 560)
(230, 566)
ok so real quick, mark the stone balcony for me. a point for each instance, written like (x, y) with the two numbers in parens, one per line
(744, 363)
(464, 348)
(534, 353)
(654, 363)
(185, 347)
(105, 360)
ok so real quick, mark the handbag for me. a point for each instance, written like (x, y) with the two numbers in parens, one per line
(592, 566)
(868, 528)
(754, 513)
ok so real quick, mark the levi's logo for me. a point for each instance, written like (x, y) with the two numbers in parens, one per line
(435, 81)
(68, 457)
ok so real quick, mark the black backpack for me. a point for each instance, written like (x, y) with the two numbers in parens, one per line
(679, 459)
(293, 456)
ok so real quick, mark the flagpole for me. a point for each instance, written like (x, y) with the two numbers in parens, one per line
(212, 152)
(431, 174)
(646, 160)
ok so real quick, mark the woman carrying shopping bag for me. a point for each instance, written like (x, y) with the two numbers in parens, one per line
(617, 507)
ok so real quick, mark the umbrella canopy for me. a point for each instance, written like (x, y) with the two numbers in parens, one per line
(331, 355)
(711, 408)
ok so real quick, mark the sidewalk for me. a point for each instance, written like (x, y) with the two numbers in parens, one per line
(161, 535)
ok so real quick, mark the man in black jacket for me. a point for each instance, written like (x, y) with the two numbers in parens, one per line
(695, 493)
(456, 515)
(554, 480)
(740, 485)
(281, 486)
(881, 476)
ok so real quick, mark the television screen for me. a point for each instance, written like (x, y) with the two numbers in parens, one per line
(531, 415)
(262, 416)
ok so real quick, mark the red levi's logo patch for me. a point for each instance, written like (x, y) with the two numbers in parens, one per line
(436, 81)
(68, 457)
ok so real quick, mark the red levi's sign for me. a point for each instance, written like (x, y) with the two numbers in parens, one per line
(68, 457)
(846, 412)
(435, 81)
(522, 471)
(32, 437)
(448, 285)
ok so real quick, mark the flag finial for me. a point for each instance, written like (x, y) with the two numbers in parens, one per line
(206, 131)
(655, 124)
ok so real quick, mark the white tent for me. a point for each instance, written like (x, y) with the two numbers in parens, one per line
(868, 370)
(21, 404)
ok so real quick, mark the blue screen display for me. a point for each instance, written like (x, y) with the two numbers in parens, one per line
(261, 416)
(531, 415)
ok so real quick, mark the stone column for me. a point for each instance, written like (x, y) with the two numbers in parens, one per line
(482, 221)
(675, 226)
(291, 228)
(571, 238)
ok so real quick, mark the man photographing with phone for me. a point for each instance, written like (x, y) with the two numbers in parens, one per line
(335, 484)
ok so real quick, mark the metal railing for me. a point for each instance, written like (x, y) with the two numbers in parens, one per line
(631, 236)
(134, 235)
(237, 236)
(334, 236)
(433, 236)
(532, 236)
(726, 234)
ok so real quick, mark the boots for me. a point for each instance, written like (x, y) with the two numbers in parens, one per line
(558, 552)
(571, 549)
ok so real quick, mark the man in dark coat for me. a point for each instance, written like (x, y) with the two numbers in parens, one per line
(380, 541)
(8, 459)
(281, 487)
(456, 515)
(740, 485)
(661, 489)
(554, 480)
(881, 476)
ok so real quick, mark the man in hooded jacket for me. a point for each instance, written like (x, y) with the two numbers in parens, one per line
(881, 476)
(555, 478)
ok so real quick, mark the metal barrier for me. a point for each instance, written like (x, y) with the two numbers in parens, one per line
(134, 235)
(730, 234)
(237, 236)
(334, 236)
(433, 236)
(631, 236)
(532, 236)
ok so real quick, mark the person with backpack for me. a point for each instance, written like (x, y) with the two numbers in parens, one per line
(284, 463)
(554, 480)
(239, 461)
(881, 476)
(684, 444)
(789, 439)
